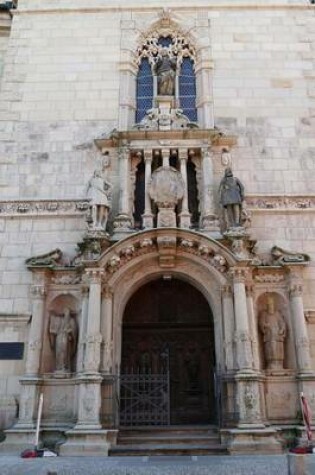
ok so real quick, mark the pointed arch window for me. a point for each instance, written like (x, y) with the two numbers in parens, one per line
(185, 88)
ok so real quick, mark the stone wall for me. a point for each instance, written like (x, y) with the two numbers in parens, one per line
(60, 90)
(5, 25)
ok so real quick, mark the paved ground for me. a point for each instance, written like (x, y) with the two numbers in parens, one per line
(215, 465)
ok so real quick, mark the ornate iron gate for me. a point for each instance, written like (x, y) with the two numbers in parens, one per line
(144, 399)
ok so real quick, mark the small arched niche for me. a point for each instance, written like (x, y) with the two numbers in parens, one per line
(61, 336)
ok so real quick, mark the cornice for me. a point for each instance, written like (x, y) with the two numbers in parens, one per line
(21, 319)
(175, 7)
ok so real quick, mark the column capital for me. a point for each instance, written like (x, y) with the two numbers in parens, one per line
(296, 289)
(206, 152)
(239, 274)
(148, 155)
(94, 275)
(107, 291)
(249, 287)
(183, 154)
(124, 152)
(38, 291)
(226, 291)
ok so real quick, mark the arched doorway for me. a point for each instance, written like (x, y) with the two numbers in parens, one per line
(167, 366)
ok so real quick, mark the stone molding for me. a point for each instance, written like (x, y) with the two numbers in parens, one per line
(15, 319)
(77, 207)
(209, 6)
(43, 207)
(281, 203)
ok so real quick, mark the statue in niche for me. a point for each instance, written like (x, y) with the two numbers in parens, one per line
(99, 193)
(63, 340)
(231, 192)
(274, 330)
(165, 69)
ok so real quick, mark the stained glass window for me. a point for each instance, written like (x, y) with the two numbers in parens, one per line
(187, 89)
(144, 89)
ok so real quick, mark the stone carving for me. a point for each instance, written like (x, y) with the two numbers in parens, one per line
(99, 192)
(66, 279)
(43, 207)
(273, 328)
(51, 259)
(231, 192)
(166, 189)
(63, 340)
(281, 202)
(179, 48)
(174, 119)
(269, 278)
(165, 69)
(283, 257)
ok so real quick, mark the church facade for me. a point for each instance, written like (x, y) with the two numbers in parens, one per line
(157, 221)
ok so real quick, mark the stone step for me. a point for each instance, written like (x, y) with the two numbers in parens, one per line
(167, 449)
(156, 439)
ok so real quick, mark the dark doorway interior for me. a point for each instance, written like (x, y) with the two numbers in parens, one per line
(167, 356)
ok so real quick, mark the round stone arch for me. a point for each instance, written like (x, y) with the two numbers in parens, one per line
(189, 266)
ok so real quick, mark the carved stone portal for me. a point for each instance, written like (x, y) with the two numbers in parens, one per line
(166, 189)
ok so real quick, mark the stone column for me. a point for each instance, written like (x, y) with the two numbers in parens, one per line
(302, 344)
(93, 329)
(166, 157)
(228, 325)
(122, 223)
(242, 329)
(209, 220)
(148, 216)
(29, 383)
(204, 101)
(253, 326)
(185, 216)
(82, 329)
(89, 398)
(107, 330)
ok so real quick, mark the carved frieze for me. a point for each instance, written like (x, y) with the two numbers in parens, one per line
(42, 207)
(280, 202)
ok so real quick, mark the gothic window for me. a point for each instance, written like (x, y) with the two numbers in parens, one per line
(182, 53)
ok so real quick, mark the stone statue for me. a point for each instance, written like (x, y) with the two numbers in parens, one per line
(273, 328)
(165, 69)
(231, 192)
(63, 340)
(99, 191)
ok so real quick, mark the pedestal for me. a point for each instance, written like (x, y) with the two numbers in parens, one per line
(252, 441)
(87, 442)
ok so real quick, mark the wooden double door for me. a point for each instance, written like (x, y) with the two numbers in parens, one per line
(168, 363)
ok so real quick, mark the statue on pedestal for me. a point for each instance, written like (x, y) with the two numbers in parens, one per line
(99, 191)
(274, 330)
(165, 69)
(63, 340)
(231, 192)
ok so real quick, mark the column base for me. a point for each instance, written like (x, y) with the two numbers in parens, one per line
(147, 220)
(122, 227)
(252, 440)
(210, 223)
(185, 220)
(81, 442)
(18, 439)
